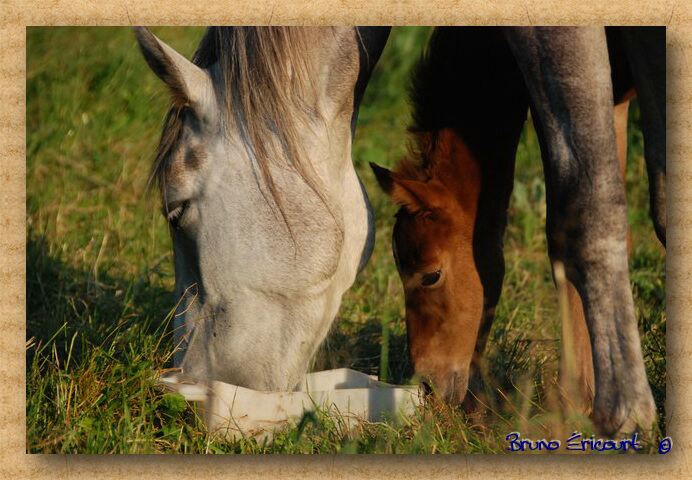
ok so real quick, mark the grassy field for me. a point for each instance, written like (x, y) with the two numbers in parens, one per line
(100, 276)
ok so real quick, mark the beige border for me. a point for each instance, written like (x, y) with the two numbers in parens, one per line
(16, 15)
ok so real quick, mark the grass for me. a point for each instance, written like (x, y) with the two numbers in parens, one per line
(100, 278)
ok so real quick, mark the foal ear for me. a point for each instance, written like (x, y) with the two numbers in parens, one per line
(413, 195)
(183, 78)
(384, 178)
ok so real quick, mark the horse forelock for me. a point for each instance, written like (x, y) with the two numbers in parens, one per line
(170, 134)
(265, 88)
(421, 162)
(442, 156)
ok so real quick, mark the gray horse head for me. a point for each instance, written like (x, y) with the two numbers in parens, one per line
(267, 216)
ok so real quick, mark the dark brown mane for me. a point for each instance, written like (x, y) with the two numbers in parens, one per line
(434, 76)
(463, 81)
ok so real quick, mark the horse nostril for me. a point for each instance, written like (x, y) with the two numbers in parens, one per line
(427, 389)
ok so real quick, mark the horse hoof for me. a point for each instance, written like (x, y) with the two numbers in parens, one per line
(623, 417)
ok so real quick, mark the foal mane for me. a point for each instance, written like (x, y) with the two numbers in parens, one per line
(445, 95)
(265, 88)
(430, 111)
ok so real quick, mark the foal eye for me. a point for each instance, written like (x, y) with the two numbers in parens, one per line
(430, 279)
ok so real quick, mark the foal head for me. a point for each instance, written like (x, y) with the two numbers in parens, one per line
(433, 248)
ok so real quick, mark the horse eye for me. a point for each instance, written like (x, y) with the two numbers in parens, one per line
(430, 279)
(174, 211)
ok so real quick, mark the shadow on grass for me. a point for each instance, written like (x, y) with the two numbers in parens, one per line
(63, 301)
(363, 351)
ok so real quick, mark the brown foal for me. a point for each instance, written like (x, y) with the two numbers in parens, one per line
(470, 105)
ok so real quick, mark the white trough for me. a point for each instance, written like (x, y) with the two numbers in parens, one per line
(237, 411)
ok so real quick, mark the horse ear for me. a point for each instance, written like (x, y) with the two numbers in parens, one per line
(182, 77)
(383, 177)
(413, 195)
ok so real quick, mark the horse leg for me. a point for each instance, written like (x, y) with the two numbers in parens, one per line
(501, 111)
(581, 341)
(491, 221)
(568, 78)
(645, 48)
(620, 117)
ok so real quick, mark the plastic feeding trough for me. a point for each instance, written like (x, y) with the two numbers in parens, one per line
(353, 396)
